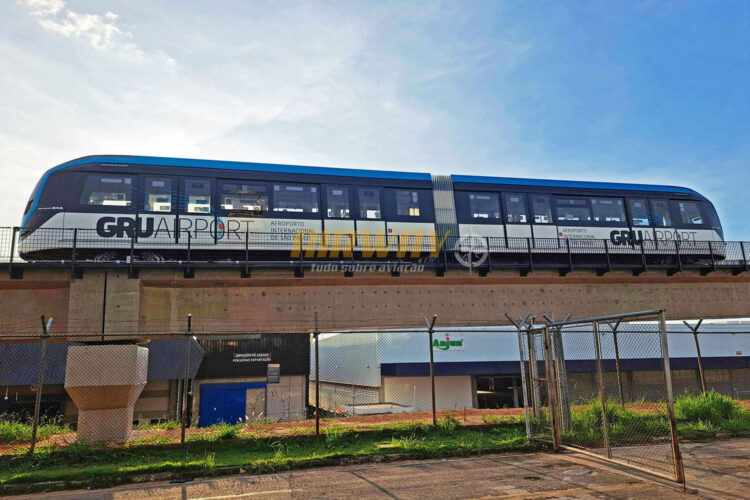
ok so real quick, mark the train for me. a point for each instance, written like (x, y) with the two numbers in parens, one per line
(156, 208)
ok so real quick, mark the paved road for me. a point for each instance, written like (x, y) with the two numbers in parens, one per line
(492, 476)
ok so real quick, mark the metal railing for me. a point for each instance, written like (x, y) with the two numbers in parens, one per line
(78, 248)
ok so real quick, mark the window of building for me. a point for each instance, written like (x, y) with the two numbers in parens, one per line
(245, 197)
(407, 203)
(541, 208)
(295, 198)
(157, 194)
(608, 210)
(107, 190)
(639, 212)
(573, 210)
(690, 213)
(198, 196)
(337, 203)
(515, 208)
(369, 203)
(660, 211)
(484, 205)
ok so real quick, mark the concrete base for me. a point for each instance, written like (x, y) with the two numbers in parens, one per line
(112, 426)
(104, 381)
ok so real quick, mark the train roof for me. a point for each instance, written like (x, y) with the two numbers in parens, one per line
(360, 173)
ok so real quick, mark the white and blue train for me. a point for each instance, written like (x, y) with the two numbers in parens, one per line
(159, 206)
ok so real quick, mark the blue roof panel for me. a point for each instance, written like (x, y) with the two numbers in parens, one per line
(620, 186)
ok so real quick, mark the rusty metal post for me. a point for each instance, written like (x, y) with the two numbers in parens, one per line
(701, 373)
(552, 388)
(430, 330)
(618, 366)
(679, 468)
(524, 382)
(186, 380)
(316, 334)
(46, 325)
(602, 390)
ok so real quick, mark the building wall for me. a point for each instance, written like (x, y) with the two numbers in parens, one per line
(451, 393)
(339, 398)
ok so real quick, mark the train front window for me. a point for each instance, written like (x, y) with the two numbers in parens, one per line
(241, 197)
(484, 206)
(690, 213)
(337, 203)
(540, 205)
(573, 210)
(660, 211)
(369, 203)
(639, 212)
(407, 203)
(608, 210)
(198, 196)
(158, 194)
(295, 198)
(107, 191)
(515, 208)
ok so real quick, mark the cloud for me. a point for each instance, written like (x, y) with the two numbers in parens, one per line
(100, 31)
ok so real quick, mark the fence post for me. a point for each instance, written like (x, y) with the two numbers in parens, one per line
(536, 397)
(14, 234)
(430, 330)
(679, 470)
(524, 383)
(40, 381)
(552, 387)
(701, 373)
(618, 366)
(316, 334)
(602, 390)
(186, 381)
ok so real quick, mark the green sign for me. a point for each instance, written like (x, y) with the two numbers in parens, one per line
(448, 344)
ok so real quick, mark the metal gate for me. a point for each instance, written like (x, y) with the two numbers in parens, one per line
(602, 386)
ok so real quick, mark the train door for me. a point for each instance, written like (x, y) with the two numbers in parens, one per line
(369, 223)
(543, 226)
(338, 218)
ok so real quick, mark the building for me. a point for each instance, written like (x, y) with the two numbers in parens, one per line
(388, 371)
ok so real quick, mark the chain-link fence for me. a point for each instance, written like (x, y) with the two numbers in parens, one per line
(601, 386)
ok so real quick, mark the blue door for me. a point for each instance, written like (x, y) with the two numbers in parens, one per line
(224, 403)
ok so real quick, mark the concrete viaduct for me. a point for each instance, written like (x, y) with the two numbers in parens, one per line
(220, 301)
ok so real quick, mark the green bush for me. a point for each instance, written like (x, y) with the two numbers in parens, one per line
(710, 407)
(737, 426)
(164, 425)
(447, 424)
(14, 431)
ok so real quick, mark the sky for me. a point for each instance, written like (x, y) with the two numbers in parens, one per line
(633, 91)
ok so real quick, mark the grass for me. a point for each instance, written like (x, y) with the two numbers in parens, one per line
(106, 466)
(710, 407)
(13, 431)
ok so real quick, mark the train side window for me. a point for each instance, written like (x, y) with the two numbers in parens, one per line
(157, 194)
(608, 210)
(639, 212)
(107, 190)
(295, 198)
(515, 208)
(660, 211)
(198, 196)
(369, 203)
(244, 197)
(541, 209)
(573, 210)
(690, 213)
(407, 203)
(484, 206)
(337, 203)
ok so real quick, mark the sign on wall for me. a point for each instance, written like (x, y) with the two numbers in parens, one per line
(448, 342)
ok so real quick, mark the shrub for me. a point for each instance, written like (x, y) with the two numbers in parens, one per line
(709, 407)
(15, 431)
(447, 424)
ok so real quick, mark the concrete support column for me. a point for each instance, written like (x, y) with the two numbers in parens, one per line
(104, 381)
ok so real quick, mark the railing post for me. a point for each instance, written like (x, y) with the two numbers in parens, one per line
(247, 254)
(609, 259)
(744, 254)
(531, 255)
(74, 252)
(713, 257)
(570, 255)
(132, 252)
(14, 234)
(489, 254)
(643, 257)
